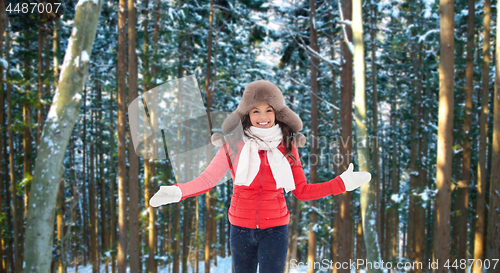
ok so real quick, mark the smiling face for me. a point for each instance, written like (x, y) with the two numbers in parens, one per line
(262, 116)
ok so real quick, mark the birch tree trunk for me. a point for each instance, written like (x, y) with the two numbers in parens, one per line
(55, 136)
(367, 197)
(445, 136)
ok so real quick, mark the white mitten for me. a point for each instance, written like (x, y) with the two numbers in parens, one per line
(166, 195)
(352, 180)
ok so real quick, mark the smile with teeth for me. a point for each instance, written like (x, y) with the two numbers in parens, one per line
(263, 123)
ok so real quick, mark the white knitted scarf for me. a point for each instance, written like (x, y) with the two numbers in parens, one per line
(249, 162)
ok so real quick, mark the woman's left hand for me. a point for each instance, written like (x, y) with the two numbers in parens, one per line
(353, 180)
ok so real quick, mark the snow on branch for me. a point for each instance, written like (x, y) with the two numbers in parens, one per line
(344, 32)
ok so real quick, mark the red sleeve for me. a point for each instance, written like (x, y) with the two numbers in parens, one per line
(208, 178)
(306, 192)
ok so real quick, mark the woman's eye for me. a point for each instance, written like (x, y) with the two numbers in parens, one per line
(269, 110)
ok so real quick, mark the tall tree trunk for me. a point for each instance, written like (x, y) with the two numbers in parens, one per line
(27, 175)
(311, 242)
(103, 208)
(13, 189)
(60, 227)
(483, 133)
(56, 62)
(56, 47)
(101, 181)
(55, 136)
(344, 241)
(92, 202)
(112, 200)
(415, 103)
(177, 207)
(27, 151)
(383, 187)
(392, 230)
(423, 143)
(84, 179)
(464, 183)
(151, 263)
(208, 221)
(445, 136)
(196, 234)
(122, 124)
(493, 236)
(416, 233)
(133, 175)
(367, 197)
(176, 237)
(375, 143)
(419, 230)
(335, 201)
(72, 228)
(148, 178)
(185, 235)
(145, 56)
(39, 119)
(295, 232)
(3, 244)
(146, 87)
(359, 238)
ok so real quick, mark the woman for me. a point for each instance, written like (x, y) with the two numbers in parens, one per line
(262, 161)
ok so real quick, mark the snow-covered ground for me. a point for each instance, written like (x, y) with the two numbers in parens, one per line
(223, 266)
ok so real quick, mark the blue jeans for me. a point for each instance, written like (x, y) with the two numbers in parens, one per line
(266, 247)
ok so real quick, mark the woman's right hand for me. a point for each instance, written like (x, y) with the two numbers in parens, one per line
(166, 195)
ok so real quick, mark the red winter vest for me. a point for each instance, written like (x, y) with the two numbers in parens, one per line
(259, 205)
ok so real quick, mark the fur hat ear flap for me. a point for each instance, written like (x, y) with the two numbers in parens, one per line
(287, 116)
(299, 140)
(218, 140)
(230, 123)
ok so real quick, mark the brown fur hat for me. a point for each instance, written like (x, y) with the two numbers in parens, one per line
(263, 91)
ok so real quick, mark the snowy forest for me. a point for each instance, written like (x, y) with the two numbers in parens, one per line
(405, 90)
